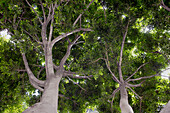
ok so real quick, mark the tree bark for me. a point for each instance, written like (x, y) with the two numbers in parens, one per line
(124, 104)
(49, 100)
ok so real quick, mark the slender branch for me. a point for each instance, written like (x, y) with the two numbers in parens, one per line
(76, 83)
(67, 34)
(145, 77)
(97, 60)
(19, 20)
(51, 28)
(136, 71)
(134, 92)
(136, 85)
(121, 53)
(74, 75)
(60, 95)
(30, 74)
(105, 14)
(68, 51)
(114, 92)
(34, 12)
(164, 6)
(82, 13)
(42, 7)
(113, 95)
(108, 67)
(32, 37)
(40, 71)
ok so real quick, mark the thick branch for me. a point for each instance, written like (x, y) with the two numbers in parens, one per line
(145, 77)
(68, 51)
(164, 6)
(67, 34)
(136, 71)
(82, 13)
(121, 54)
(36, 86)
(34, 12)
(30, 74)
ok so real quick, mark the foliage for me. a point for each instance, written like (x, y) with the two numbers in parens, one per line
(108, 19)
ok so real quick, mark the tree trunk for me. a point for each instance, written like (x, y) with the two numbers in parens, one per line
(49, 100)
(124, 105)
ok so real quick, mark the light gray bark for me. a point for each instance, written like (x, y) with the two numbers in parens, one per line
(166, 109)
(124, 104)
(49, 101)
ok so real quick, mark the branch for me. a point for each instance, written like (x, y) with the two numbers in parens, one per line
(104, 14)
(60, 95)
(73, 75)
(82, 13)
(19, 20)
(136, 85)
(43, 10)
(121, 54)
(67, 34)
(145, 77)
(34, 12)
(32, 37)
(136, 71)
(164, 6)
(114, 92)
(40, 71)
(68, 51)
(113, 95)
(52, 20)
(76, 83)
(134, 92)
(97, 60)
(30, 74)
(36, 85)
(108, 67)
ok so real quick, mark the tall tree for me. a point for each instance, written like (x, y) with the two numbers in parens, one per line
(37, 26)
(132, 46)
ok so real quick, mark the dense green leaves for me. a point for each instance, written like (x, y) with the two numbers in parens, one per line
(147, 41)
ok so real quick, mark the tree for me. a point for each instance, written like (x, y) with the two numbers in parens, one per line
(122, 33)
(37, 26)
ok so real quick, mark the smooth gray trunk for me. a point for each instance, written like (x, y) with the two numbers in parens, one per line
(49, 100)
(124, 104)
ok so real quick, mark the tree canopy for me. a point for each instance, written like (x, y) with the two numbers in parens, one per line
(89, 50)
